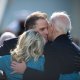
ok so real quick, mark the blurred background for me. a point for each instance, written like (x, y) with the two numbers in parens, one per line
(14, 12)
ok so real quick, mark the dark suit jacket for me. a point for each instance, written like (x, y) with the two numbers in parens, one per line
(62, 56)
(7, 46)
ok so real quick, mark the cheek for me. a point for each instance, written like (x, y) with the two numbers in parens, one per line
(41, 32)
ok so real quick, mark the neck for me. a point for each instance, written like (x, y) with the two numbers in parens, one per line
(56, 35)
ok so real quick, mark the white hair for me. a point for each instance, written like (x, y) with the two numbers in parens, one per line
(30, 44)
(6, 36)
(61, 21)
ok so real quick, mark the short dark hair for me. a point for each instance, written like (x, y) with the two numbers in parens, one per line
(32, 18)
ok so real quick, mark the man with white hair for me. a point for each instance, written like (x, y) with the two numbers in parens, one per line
(62, 54)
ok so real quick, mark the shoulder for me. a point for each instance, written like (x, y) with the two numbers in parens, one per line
(76, 47)
(42, 58)
(5, 57)
(39, 64)
(11, 40)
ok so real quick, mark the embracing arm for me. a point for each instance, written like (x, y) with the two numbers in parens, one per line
(28, 73)
(32, 71)
(33, 74)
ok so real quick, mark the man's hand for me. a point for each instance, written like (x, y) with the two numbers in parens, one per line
(18, 67)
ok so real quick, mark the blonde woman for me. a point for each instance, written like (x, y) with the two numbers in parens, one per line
(29, 49)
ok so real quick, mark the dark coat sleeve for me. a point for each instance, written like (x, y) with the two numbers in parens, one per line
(33, 74)
(7, 46)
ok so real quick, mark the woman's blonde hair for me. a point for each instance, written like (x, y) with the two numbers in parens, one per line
(30, 45)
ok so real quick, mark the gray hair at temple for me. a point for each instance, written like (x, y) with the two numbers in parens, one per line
(61, 21)
(30, 45)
